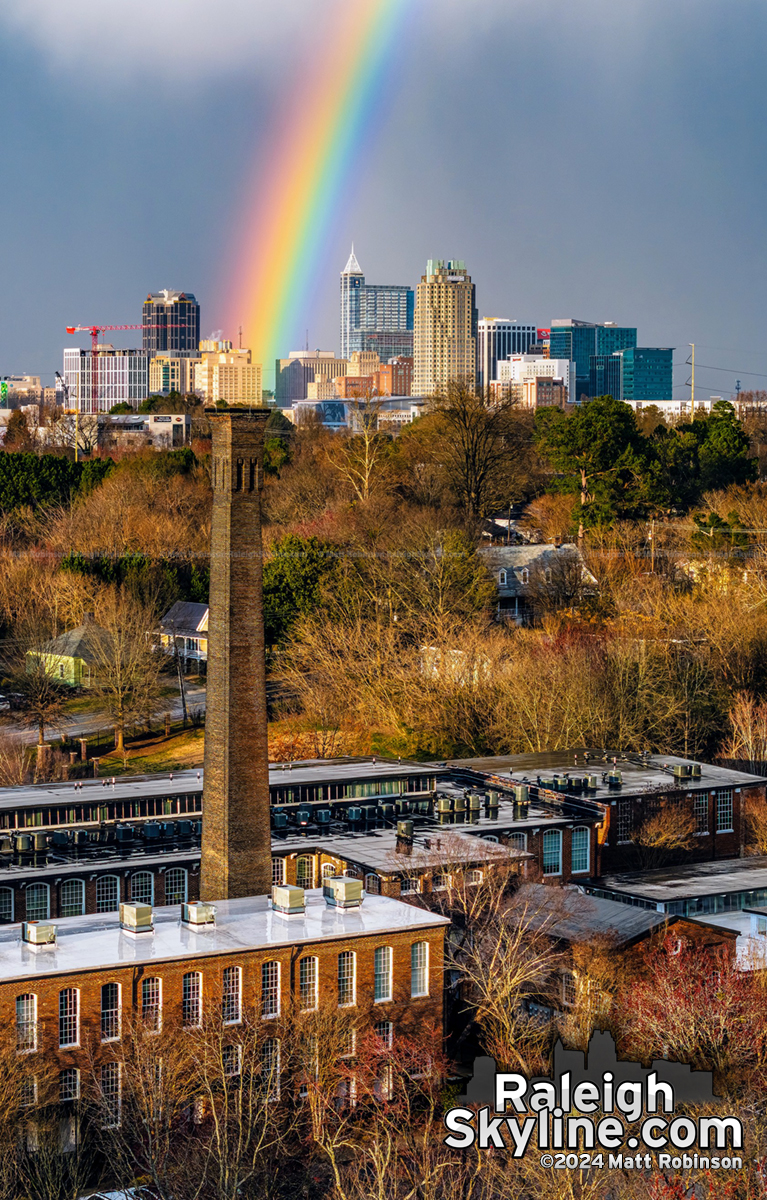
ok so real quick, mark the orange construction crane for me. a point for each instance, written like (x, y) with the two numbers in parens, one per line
(94, 331)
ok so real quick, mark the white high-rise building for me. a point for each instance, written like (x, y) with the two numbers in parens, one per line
(497, 339)
(445, 349)
(96, 383)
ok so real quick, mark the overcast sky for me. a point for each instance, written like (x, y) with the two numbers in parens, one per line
(603, 159)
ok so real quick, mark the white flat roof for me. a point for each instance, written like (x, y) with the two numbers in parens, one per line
(95, 943)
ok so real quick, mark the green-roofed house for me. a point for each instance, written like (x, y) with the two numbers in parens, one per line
(72, 657)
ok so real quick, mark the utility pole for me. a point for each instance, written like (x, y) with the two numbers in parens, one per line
(692, 384)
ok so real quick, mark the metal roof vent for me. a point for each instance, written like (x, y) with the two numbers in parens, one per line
(288, 900)
(342, 892)
(198, 915)
(136, 918)
(38, 933)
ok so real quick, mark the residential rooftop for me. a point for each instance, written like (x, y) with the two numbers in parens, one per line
(96, 943)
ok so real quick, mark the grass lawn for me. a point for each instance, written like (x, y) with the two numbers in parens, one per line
(157, 754)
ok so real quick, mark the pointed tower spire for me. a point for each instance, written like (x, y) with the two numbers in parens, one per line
(352, 267)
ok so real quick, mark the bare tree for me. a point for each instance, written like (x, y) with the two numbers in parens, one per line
(361, 456)
(477, 445)
(126, 667)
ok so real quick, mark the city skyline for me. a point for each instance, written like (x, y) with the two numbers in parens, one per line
(666, 237)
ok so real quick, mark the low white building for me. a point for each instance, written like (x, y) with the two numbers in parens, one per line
(520, 373)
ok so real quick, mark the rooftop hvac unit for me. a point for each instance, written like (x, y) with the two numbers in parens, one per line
(614, 778)
(592, 782)
(22, 843)
(324, 816)
(682, 771)
(695, 771)
(136, 918)
(561, 782)
(40, 841)
(403, 805)
(79, 836)
(459, 803)
(6, 845)
(475, 802)
(522, 792)
(184, 829)
(151, 831)
(354, 814)
(288, 900)
(198, 915)
(370, 812)
(304, 816)
(405, 830)
(546, 782)
(492, 800)
(38, 933)
(389, 811)
(280, 820)
(124, 833)
(342, 892)
(443, 804)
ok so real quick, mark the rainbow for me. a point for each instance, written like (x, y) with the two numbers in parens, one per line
(299, 185)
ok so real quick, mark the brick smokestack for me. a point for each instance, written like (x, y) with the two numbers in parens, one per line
(236, 837)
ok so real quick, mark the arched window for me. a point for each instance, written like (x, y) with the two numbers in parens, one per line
(552, 852)
(547, 575)
(111, 1083)
(69, 1017)
(328, 871)
(72, 898)
(26, 1022)
(231, 1001)
(308, 983)
(278, 871)
(107, 893)
(524, 575)
(175, 886)
(110, 1012)
(474, 875)
(518, 841)
(151, 1003)
(373, 884)
(347, 978)
(382, 974)
(38, 902)
(502, 577)
(270, 989)
(419, 969)
(579, 855)
(305, 871)
(6, 905)
(191, 1000)
(142, 888)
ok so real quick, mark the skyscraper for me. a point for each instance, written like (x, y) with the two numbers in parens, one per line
(638, 375)
(445, 337)
(374, 316)
(171, 323)
(497, 339)
(578, 340)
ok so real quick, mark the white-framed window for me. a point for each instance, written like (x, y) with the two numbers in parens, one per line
(72, 898)
(142, 888)
(191, 1000)
(328, 871)
(69, 1017)
(624, 820)
(69, 1084)
(384, 1031)
(151, 1003)
(270, 1067)
(349, 1044)
(347, 978)
(278, 871)
(231, 1001)
(552, 852)
(231, 1060)
(28, 1096)
(382, 973)
(439, 881)
(111, 1094)
(175, 886)
(524, 575)
(372, 884)
(308, 983)
(700, 812)
(107, 893)
(502, 578)
(724, 810)
(305, 871)
(419, 969)
(110, 1012)
(6, 905)
(409, 884)
(38, 902)
(270, 989)
(474, 875)
(26, 1022)
(579, 853)
(518, 841)
(568, 988)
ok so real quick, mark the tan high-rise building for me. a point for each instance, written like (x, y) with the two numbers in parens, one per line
(445, 336)
(228, 375)
(363, 362)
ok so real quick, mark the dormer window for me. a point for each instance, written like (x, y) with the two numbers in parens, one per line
(502, 578)
(524, 575)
